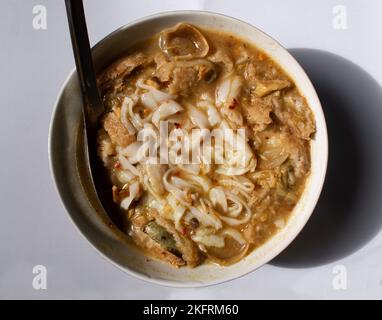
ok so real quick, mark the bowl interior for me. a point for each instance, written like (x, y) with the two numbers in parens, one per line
(70, 177)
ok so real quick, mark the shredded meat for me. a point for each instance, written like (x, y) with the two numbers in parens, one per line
(184, 79)
(297, 154)
(263, 87)
(223, 59)
(116, 130)
(300, 119)
(105, 147)
(164, 68)
(120, 69)
(258, 114)
(250, 75)
(181, 77)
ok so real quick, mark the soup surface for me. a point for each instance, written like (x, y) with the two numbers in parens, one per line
(207, 144)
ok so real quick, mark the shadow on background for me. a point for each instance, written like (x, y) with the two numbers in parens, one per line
(349, 212)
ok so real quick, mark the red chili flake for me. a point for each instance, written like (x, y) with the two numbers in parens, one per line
(233, 104)
(177, 125)
(184, 231)
(117, 165)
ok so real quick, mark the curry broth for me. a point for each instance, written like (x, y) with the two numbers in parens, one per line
(261, 98)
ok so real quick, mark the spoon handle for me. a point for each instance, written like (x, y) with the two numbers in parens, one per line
(92, 109)
(84, 62)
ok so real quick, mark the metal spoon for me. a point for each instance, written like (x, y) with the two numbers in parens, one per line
(92, 104)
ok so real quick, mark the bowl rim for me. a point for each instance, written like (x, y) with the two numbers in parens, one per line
(285, 243)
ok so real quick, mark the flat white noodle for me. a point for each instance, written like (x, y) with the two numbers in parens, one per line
(222, 91)
(165, 110)
(127, 101)
(178, 215)
(182, 184)
(136, 119)
(208, 239)
(133, 152)
(133, 193)
(237, 159)
(234, 207)
(246, 214)
(198, 117)
(152, 202)
(124, 176)
(218, 198)
(128, 166)
(148, 137)
(200, 146)
(148, 100)
(148, 186)
(235, 234)
(244, 185)
(213, 114)
(153, 97)
(228, 90)
(176, 192)
(205, 218)
(190, 168)
(204, 182)
(236, 171)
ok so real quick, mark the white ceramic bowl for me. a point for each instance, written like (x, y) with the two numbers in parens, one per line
(71, 181)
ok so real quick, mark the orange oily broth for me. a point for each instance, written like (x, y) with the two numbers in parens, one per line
(273, 210)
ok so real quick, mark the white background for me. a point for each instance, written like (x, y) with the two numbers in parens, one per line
(34, 227)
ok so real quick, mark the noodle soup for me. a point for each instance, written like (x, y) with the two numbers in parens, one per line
(241, 108)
